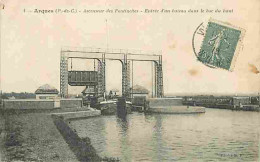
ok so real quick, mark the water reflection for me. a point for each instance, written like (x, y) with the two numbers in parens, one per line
(122, 123)
(216, 135)
(157, 135)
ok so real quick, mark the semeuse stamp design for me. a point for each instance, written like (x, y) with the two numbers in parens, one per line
(221, 44)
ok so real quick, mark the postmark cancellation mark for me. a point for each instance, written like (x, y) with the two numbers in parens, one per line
(220, 45)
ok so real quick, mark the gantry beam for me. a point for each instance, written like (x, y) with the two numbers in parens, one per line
(110, 56)
(124, 56)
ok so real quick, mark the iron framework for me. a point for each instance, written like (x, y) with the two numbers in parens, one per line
(124, 56)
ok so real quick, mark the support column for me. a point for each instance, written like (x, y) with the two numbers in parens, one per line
(159, 79)
(132, 82)
(128, 80)
(104, 72)
(162, 89)
(63, 75)
(156, 79)
(125, 77)
(101, 77)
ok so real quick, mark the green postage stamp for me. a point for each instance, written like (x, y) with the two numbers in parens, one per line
(221, 45)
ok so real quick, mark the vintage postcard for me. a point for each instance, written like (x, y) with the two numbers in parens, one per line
(172, 80)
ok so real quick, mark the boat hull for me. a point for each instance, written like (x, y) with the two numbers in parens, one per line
(110, 108)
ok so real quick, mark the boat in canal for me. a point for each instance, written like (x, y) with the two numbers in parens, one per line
(110, 107)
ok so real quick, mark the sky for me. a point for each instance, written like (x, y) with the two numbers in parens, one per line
(31, 43)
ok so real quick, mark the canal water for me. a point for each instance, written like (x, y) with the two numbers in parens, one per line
(217, 135)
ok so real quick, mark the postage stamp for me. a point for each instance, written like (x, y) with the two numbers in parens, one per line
(220, 44)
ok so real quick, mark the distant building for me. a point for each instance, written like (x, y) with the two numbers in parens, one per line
(11, 98)
(139, 91)
(140, 94)
(46, 92)
(238, 101)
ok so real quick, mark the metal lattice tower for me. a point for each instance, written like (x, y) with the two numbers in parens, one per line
(101, 75)
(63, 75)
(159, 79)
(128, 80)
(101, 78)
(126, 77)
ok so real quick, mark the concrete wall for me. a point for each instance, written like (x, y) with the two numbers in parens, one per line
(71, 102)
(139, 101)
(178, 110)
(42, 103)
(140, 95)
(82, 149)
(164, 102)
(77, 114)
(46, 96)
(241, 100)
(28, 104)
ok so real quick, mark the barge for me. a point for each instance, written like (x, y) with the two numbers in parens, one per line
(110, 107)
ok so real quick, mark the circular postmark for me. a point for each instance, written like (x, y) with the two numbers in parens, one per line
(197, 39)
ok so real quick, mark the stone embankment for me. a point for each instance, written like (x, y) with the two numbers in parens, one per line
(172, 106)
(42, 133)
(81, 147)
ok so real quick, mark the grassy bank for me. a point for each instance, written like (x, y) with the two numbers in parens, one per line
(33, 137)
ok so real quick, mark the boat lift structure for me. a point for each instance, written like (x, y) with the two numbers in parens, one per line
(98, 78)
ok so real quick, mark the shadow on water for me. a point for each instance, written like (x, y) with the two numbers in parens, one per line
(158, 142)
(122, 115)
(122, 122)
